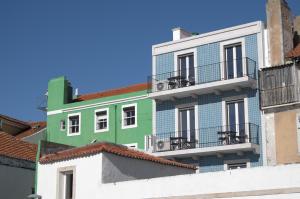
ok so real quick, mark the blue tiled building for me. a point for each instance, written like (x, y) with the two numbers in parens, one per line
(206, 99)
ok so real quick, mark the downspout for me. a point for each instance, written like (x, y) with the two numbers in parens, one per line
(116, 126)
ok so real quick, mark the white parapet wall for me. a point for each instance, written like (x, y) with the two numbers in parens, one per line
(253, 183)
(271, 182)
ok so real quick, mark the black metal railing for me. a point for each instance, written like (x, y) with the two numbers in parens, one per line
(203, 74)
(206, 137)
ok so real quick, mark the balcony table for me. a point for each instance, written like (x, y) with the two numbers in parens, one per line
(228, 136)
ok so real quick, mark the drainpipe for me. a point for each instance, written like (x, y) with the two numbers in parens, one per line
(116, 126)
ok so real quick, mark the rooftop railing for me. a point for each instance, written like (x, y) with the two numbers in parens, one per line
(226, 70)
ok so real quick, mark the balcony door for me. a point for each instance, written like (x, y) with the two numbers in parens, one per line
(187, 123)
(186, 68)
(236, 117)
(233, 61)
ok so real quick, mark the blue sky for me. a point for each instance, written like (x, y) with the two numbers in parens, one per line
(98, 45)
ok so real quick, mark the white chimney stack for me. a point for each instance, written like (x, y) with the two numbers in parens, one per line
(179, 33)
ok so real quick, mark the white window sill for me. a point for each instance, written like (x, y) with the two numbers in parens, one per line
(73, 134)
(129, 127)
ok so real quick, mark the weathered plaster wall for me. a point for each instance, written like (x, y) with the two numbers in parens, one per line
(286, 137)
(270, 138)
(15, 182)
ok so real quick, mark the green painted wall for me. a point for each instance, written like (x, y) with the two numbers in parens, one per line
(87, 133)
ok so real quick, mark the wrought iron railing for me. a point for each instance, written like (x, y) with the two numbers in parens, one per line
(204, 137)
(203, 74)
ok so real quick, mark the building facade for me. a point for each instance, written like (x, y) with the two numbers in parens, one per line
(279, 86)
(121, 116)
(17, 167)
(206, 100)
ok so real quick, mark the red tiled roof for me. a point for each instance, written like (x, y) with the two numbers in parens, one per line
(118, 91)
(109, 148)
(295, 52)
(14, 148)
(35, 127)
(15, 120)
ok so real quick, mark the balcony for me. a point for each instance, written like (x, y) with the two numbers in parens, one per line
(212, 78)
(219, 140)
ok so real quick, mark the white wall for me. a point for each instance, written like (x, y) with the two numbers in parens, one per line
(260, 180)
(15, 182)
(259, 183)
(88, 177)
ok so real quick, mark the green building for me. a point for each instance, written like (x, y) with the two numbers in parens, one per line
(121, 116)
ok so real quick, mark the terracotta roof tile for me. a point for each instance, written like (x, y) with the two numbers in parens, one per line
(109, 148)
(118, 91)
(295, 52)
(15, 120)
(14, 148)
(35, 127)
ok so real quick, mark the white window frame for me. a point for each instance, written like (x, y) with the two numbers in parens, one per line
(224, 111)
(196, 110)
(223, 45)
(68, 131)
(95, 120)
(60, 125)
(185, 52)
(131, 145)
(237, 161)
(136, 116)
(61, 181)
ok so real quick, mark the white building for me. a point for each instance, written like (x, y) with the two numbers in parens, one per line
(82, 172)
(110, 171)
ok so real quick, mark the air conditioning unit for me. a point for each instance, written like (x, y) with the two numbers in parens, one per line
(161, 85)
(162, 145)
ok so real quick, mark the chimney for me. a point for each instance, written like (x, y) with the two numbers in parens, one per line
(296, 31)
(280, 30)
(179, 33)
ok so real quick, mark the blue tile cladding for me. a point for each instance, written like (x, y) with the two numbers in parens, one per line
(208, 63)
(164, 64)
(252, 53)
(165, 117)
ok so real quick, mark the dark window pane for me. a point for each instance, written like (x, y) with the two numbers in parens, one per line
(229, 62)
(183, 123)
(231, 116)
(182, 67)
(239, 61)
(192, 125)
(241, 118)
(191, 76)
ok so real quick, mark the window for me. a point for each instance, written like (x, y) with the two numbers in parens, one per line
(62, 125)
(233, 61)
(235, 117)
(74, 124)
(66, 183)
(186, 67)
(101, 120)
(129, 116)
(187, 123)
(236, 164)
